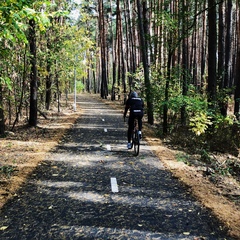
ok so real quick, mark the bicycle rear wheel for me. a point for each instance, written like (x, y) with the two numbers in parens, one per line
(136, 143)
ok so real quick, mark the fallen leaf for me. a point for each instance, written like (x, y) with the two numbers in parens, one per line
(3, 228)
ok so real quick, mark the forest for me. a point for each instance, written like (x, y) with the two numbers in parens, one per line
(182, 57)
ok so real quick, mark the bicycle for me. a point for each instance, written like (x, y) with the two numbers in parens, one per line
(135, 144)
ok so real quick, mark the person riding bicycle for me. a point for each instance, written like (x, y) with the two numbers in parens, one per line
(136, 105)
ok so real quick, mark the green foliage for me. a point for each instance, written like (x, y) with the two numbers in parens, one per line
(182, 157)
(224, 95)
(6, 81)
(137, 80)
(195, 104)
(205, 157)
(223, 122)
(7, 170)
(200, 122)
(200, 118)
(225, 134)
(80, 87)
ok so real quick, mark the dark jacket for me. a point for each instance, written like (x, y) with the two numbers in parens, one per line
(135, 105)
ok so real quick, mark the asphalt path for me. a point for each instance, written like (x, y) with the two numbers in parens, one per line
(91, 187)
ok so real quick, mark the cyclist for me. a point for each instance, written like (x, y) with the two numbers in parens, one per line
(136, 105)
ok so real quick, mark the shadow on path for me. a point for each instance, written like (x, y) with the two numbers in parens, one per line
(69, 195)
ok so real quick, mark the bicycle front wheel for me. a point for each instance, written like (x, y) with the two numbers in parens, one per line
(136, 143)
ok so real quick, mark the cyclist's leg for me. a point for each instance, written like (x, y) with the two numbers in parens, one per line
(130, 128)
(139, 117)
(140, 124)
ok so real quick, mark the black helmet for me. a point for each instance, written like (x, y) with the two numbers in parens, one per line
(134, 95)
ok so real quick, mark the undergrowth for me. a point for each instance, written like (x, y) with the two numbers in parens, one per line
(7, 170)
(224, 140)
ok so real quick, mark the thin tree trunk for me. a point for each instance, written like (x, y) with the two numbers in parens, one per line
(2, 122)
(113, 59)
(224, 104)
(220, 46)
(143, 42)
(48, 87)
(165, 107)
(128, 35)
(104, 90)
(22, 92)
(184, 61)
(237, 74)
(48, 77)
(203, 49)
(212, 40)
(33, 75)
(58, 91)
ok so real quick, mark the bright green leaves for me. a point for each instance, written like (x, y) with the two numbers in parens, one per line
(14, 16)
(200, 122)
(6, 81)
(76, 51)
(12, 26)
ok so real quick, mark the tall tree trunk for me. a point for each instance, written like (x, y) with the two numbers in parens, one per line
(220, 46)
(48, 86)
(237, 74)
(203, 49)
(128, 35)
(212, 42)
(192, 61)
(224, 104)
(165, 107)
(237, 89)
(118, 45)
(33, 75)
(58, 89)
(143, 42)
(122, 69)
(104, 89)
(184, 61)
(23, 89)
(220, 76)
(113, 57)
(2, 122)
(94, 80)
(48, 77)
(132, 41)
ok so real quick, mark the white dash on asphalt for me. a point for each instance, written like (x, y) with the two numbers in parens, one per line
(108, 147)
(103, 120)
(105, 130)
(114, 185)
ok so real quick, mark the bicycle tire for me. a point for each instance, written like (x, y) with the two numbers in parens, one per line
(136, 143)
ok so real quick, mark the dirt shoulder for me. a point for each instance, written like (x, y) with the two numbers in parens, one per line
(22, 150)
(204, 190)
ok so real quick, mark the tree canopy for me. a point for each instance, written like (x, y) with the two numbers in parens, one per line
(182, 58)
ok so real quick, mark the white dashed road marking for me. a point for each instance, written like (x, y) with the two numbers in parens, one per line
(108, 147)
(114, 185)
